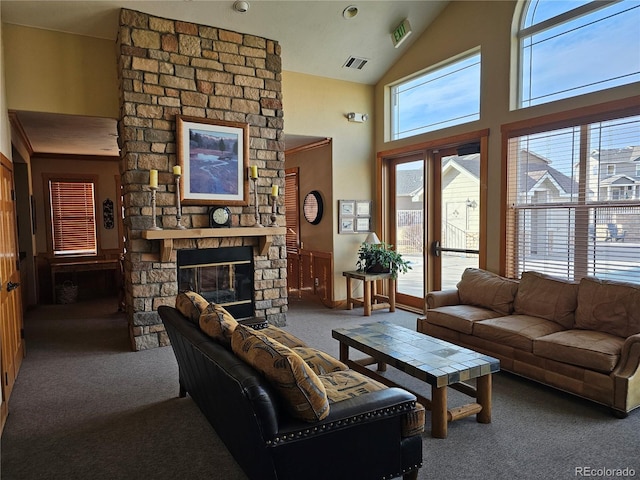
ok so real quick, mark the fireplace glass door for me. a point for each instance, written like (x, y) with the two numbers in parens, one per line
(221, 275)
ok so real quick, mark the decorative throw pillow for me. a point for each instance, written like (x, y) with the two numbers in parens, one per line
(303, 393)
(486, 289)
(547, 297)
(216, 322)
(346, 384)
(282, 336)
(191, 304)
(319, 361)
(608, 306)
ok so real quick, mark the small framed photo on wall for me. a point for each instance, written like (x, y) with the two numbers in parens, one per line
(346, 225)
(363, 224)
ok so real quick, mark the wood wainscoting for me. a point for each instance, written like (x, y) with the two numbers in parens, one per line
(311, 272)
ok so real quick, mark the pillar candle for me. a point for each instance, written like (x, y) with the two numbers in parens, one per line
(254, 171)
(177, 170)
(153, 178)
(274, 190)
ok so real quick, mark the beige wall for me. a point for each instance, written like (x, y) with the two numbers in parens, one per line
(460, 27)
(5, 129)
(318, 106)
(60, 73)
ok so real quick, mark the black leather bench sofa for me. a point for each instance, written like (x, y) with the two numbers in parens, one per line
(361, 438)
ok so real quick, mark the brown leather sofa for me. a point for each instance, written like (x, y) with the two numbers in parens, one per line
(370, 432)
(580, 337)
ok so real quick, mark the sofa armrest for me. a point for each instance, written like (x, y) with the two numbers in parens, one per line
(629, 362)
(442, 298)
(363, 409)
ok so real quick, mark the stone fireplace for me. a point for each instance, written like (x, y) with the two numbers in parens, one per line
(168, 68)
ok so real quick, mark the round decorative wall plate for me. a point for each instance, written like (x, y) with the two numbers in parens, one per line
(312, 207)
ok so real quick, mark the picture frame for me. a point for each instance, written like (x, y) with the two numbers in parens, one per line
(363, 208)
(347, 207)
(363, 224)
(346, 225)
(214, 160)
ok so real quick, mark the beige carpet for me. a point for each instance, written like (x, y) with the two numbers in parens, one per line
(86, 407)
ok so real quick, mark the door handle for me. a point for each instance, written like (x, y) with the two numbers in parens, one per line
(435, 248)
(12, 286)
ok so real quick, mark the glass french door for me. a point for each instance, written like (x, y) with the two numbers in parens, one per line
(456, 235)
(434, 217)
(408, 227)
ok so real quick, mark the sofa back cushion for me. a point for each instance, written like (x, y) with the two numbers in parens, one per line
(547, 297)
(486, 289)
(303, 393)
(608, 306)
(191, 304)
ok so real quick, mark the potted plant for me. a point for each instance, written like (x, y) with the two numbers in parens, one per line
(381, 258)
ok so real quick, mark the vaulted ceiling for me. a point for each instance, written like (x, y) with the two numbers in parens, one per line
(317, 38)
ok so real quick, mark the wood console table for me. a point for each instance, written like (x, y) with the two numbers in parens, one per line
(371, 300)
(81, 266)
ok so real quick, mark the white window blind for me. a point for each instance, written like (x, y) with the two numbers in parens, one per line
(568, 214)
(73, 222)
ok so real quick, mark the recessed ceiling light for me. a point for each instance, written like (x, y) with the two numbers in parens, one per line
(350, 12)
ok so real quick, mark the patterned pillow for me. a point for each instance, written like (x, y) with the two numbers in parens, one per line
(299, 386)
(282, 336)
(319, 361)
(346, 384)
(190, 304)
(219, 324)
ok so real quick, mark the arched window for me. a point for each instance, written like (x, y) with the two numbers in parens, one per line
(569, 48)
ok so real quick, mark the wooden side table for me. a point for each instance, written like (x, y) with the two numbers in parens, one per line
(371, 300)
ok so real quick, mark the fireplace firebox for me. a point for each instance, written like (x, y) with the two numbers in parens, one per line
(221, 275)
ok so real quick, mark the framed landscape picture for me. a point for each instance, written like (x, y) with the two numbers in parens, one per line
(214, 157)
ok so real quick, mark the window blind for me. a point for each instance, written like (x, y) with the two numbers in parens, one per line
(292, 210)
(574, 201)
(73, 218)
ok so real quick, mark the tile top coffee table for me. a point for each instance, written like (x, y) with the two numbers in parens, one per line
(439, 363)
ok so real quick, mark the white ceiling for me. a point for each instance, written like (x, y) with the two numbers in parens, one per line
(314, 36)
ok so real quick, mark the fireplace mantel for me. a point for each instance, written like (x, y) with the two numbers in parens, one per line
(264, 235)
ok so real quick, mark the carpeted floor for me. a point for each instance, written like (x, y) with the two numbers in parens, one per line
(86, 407)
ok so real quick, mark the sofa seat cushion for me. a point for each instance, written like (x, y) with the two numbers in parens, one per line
(319, 361)
(303, 393)
(459, 317)
(551, 298)
(608, 306)
(282, 336)
(191, 305)
(486, 289)
(584, 348)
(219, 324)
(517, 331)
(346, 384)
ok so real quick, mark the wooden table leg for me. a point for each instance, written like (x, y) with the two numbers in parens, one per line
(392, 294)
(483, 387)
(439, 412)
(349, 297)
(367, 298)
(344, 352)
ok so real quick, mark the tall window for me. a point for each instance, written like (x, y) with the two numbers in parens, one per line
(570, 48)
(443, 97)
(568, 215)
(73, 219)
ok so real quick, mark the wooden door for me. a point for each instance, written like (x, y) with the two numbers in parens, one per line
(12, 344)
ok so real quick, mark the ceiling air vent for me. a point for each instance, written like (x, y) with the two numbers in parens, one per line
(355, 63)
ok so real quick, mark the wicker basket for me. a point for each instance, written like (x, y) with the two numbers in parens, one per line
(67, 292)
